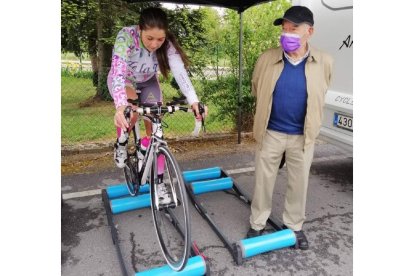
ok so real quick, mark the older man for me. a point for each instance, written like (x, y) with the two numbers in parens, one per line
(289, 83)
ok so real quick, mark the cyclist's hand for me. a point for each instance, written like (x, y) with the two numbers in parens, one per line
(194, 106)
(119, 118)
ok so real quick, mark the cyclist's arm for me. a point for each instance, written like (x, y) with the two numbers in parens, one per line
(119, 73)
(180, 74)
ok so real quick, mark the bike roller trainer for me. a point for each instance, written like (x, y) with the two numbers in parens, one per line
(214, 179)
(117, 200)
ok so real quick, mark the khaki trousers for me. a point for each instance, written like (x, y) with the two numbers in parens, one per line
(298, 162)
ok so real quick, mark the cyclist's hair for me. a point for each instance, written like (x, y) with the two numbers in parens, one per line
(157, 18)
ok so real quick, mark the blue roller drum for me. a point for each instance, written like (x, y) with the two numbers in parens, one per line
(196, 266)
(117, 191)
(120, 190)
(201, 187)
(197, 175)
(257, 245)
(125, 204)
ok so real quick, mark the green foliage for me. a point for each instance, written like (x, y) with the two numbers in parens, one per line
(76, 73)
(187, 25)
(259, 34)
(79, 21)
(213, 48)
(78, 24)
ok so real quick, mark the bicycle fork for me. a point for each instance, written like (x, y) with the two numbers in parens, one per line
(165, 194)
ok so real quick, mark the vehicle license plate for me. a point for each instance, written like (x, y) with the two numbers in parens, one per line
(343, 121)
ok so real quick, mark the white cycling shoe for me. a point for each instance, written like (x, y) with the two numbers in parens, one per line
(120, 155)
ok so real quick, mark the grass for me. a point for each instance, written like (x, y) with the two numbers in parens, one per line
(82, 122)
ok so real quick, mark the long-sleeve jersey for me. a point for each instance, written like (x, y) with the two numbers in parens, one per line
(132, 63)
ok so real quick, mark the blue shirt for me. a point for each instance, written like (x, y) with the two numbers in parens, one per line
(289, 100)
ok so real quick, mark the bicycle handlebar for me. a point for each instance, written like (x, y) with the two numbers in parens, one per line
(154, 109)
(158, 109)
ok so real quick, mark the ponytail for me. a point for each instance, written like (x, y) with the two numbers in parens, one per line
(162, 54)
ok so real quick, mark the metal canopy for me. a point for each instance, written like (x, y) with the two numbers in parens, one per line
(239, 6)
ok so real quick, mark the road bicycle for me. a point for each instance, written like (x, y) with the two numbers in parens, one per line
(158, 168)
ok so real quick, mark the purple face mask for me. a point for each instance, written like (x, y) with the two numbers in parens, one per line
(290, 42)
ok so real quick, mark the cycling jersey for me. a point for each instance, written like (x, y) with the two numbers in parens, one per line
(132, 63)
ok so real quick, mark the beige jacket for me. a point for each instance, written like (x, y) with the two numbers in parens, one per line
(269, 66)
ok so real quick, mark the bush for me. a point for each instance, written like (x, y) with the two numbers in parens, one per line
(71, 71)
(224, 95)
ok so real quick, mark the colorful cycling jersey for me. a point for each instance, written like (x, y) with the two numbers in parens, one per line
(132, 63)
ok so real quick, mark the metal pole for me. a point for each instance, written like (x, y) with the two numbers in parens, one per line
(240, 77)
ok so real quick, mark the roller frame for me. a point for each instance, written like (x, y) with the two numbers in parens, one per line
(115, 237)
(233, 247)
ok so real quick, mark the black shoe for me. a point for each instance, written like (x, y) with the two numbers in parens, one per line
(301, 241)
(253, 233)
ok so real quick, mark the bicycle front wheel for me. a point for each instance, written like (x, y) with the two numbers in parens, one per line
(170, 209)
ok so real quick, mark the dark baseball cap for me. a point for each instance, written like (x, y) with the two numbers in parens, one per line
(297, 15)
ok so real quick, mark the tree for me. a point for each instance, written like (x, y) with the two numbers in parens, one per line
(78, 30)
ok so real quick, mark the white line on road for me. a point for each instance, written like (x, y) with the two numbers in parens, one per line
(241, 170)
(331, 158)
(234, 171)
(316, 160)
(81, 194)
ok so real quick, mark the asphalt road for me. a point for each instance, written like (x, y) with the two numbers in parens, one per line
(87, 247)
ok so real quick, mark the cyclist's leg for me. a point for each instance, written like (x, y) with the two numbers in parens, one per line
(120, 149)
(151, 93)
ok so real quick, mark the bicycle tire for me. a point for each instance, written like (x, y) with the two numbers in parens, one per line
(175, 252)
(131, 166)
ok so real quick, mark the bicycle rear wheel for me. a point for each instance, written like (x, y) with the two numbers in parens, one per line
(175, 245)
(131, 167)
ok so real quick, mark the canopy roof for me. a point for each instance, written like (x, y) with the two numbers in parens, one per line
(239, 6)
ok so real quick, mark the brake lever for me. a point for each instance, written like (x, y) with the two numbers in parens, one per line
(127, 112)
(202, 111)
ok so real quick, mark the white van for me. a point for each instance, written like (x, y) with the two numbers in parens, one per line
(333, 34)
